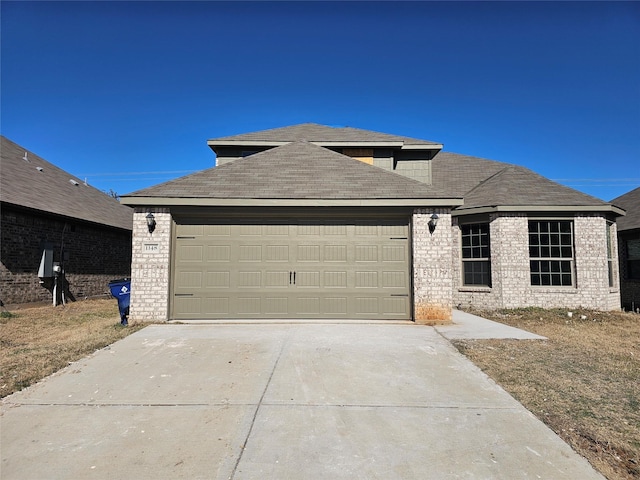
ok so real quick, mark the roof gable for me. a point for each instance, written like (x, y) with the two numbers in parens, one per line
(298, 170)
(630, 201)
(322, 135)
(29, 181)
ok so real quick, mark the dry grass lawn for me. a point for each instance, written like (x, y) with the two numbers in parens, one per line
(583, 382)
(37, 341)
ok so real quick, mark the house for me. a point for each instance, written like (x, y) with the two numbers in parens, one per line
(629, 248)
(311, 221)
(49, 218)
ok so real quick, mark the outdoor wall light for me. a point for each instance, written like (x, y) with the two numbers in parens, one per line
(151, 222)
(433, 222)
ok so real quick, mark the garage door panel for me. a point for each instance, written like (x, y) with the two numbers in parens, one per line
(218, 279)
(394, 253)
(394, 280)
(188, 305)
(276, 306)
(395, 306)
(366, 253)
(191, 253)
(218, 253)
(216, 230)
(190, 280)
(315, 270)
(249, 305)
(335, 279)
(308, 253)
(277, 279)
(368, 279)
(249, 280)
(336, 306)
(335, 253)
(216, 306)
(308, 305)
(250, 253)
(307, 279)
(276, 253)
(367, 306)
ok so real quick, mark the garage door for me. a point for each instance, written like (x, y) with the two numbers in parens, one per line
(343, 270)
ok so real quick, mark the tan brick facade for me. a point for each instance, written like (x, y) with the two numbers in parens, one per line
(511, 285)
(151, 258)
(437, 267)
(432, 272)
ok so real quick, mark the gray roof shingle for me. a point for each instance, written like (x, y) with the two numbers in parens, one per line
(297, 170)
(630, 201)
(40, 185)
(487, 183)
(316, 133)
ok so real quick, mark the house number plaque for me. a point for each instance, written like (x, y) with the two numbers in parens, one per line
(151, 247)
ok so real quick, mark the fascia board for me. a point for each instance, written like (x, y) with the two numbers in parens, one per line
(245, 143)
(343, 143)
(290, 202)
(437, 146)
(539, 208)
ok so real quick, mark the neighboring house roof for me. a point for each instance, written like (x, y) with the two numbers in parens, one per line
(29, 181)
(323, 135)
(297, 170)
(630, 201)
(487, 184)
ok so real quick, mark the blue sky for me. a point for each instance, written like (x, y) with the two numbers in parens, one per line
(126, 94)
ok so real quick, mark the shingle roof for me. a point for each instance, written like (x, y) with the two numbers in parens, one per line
(630, 201)
(297, 170)
(519, 186)
(316, 133)
(37, 184)
(457, 174)
(487, 183)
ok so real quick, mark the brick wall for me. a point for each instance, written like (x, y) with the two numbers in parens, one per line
(150, 266)
(511, 285)
(432, 272)
(94, 256)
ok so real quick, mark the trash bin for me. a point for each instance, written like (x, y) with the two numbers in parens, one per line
(121, 290)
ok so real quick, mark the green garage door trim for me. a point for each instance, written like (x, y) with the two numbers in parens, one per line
(321, 269)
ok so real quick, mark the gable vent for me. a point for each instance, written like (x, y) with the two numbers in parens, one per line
(71, 180)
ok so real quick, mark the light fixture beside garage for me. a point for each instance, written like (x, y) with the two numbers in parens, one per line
(151, 222)
(433, 222)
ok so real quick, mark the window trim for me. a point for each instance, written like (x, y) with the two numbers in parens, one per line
(571, 260)
(486, 260)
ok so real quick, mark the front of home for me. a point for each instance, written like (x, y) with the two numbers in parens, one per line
(320, 222)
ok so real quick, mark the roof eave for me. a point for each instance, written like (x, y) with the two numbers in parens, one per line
(539, 208)
(289, 202)
(343, 143)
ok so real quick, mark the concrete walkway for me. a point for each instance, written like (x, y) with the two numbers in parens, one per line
(298, 401)
(466, 326)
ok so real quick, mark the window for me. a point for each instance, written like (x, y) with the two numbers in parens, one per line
(610, 255)
(633, 259)
(551, 252)
(476, 256)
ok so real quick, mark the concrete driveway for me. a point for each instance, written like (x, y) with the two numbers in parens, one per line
(278, 401)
